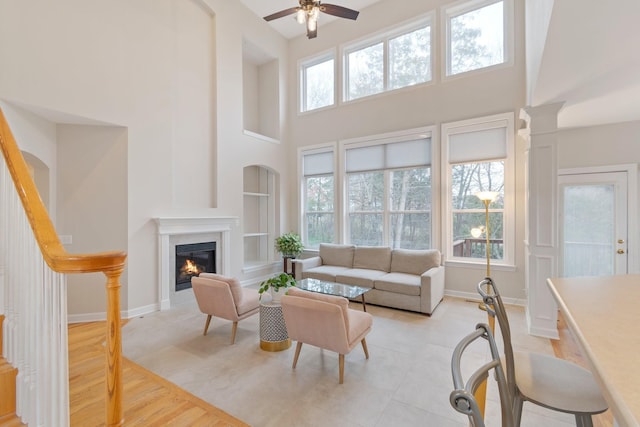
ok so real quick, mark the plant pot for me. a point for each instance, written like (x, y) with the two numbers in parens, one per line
(276, 294)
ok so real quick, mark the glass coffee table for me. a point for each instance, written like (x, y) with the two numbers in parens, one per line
(333, 288)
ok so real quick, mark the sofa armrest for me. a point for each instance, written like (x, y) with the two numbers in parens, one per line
(432, 283)
(305, 264)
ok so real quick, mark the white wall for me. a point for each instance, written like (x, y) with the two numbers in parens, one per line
(170, 72)
(92, 205)
(483, 93)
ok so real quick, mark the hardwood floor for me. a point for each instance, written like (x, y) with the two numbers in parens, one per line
(149, 399)
(567, 348)
(152, 400)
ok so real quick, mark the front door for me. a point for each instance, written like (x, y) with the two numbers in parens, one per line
(593, 224)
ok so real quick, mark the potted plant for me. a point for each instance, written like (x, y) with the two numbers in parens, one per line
(277, 285)
(289, 245)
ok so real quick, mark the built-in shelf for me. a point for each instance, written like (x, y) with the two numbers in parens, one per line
(259, 223)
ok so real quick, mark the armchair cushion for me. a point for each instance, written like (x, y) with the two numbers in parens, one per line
(234, 286)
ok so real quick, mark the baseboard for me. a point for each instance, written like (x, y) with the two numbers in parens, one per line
(102, 316)
(473, 296)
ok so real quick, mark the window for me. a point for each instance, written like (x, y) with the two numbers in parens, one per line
(396, 59)
(478, 35)
(388, 192)
(317, 88)
(318, 186)
(479, 157)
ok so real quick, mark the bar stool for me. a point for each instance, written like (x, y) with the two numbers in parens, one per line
(544, 380)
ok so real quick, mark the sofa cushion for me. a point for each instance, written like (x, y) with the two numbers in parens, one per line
(359, 277)
(413, 261)
(372, 257)
(399, 283)
(327, 273)
(338, 255)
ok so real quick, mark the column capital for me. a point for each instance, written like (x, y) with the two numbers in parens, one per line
(542, 118)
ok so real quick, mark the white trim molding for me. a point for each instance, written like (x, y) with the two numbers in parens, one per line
(179, 230)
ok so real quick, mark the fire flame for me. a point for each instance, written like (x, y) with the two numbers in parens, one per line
(190, 267)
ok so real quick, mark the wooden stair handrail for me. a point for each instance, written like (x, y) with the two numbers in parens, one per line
(59, 260)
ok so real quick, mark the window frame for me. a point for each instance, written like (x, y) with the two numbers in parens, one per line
(466, 6)
(310, 150)
(426, 20)
(383, 139)
(507, 121)
(306, 63)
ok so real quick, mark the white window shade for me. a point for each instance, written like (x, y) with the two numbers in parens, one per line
(479, 145)
(365, 158)
(394, 155)
(318, 163)
(409, 153)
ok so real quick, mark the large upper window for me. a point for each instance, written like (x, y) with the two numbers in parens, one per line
(477, 35)
(317, 83)
(393, 60)
(388, 192)
(318, 186)
(479, 157)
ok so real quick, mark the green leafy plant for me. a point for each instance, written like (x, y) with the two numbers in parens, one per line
(281, 281)
(289, 245)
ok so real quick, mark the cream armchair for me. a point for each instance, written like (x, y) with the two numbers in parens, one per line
(224, 297)
(324, 321)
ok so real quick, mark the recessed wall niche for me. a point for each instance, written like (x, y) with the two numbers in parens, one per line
(261, 93)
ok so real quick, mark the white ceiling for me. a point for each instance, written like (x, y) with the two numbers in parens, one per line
(287, 26)
(591, 61)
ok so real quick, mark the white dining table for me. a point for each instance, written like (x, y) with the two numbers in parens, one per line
(603, 313)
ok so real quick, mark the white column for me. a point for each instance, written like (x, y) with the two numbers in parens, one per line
(541, 212)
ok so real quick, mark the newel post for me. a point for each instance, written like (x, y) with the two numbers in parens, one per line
(114, 350)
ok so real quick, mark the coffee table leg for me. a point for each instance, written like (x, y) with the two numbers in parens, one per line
(364, 306)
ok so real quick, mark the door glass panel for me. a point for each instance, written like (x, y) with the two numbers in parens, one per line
(589, 230)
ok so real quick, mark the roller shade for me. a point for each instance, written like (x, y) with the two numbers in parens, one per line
(394, 155)
(318, 163)
(478, 145)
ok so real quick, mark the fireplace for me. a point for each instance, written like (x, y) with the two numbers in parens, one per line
(193, 259)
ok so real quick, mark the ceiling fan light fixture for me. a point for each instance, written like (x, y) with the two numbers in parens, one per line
(312, 23)
(301, 16)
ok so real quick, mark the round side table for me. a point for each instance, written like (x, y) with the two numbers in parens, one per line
(273, 332)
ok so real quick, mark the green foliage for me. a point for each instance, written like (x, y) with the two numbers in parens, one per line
(289, 245)
(281, 281)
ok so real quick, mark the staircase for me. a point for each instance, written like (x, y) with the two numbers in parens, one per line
(7, 389)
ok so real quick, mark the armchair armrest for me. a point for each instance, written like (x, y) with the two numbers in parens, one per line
(305, 264)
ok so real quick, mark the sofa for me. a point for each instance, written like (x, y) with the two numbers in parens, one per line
(399, 278)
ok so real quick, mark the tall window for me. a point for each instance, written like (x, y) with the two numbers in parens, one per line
(396, 59)
(318, 197)
(479, 156)
(317, 83)
(388, 191)
(477, 35)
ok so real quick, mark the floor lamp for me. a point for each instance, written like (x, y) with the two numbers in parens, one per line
(486, 197)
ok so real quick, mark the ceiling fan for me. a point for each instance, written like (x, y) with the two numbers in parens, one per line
(308, 12)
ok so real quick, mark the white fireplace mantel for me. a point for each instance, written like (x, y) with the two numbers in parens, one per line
(170, 228)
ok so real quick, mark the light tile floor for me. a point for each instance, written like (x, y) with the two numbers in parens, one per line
(406, 381)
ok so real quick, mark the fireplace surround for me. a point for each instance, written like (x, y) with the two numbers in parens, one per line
(173, 231)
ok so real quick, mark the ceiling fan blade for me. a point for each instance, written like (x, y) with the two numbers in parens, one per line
(312, 34)
(339, 11)
(282, 13)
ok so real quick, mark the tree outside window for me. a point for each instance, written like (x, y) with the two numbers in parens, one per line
(318, 85)
(476, 39)
(319, 210)
(468, 211)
